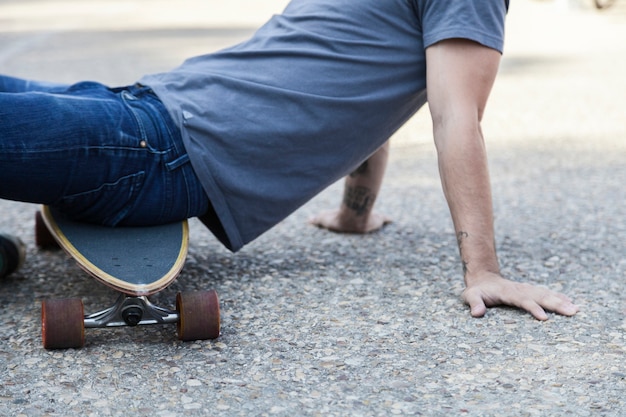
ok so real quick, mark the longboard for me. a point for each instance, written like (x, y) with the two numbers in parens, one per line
(135, 261)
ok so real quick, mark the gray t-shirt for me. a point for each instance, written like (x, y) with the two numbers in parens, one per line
(271, 122)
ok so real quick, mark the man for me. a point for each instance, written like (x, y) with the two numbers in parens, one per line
(244, 136)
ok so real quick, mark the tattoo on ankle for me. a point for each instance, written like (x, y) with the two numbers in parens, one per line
(362, 169)
(359, 199)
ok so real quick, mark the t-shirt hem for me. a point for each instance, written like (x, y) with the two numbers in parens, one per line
(479, 37)
(218, 202)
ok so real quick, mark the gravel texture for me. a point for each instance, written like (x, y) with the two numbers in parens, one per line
(319, 324)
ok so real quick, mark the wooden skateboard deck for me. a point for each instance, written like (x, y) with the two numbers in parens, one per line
(132, 260)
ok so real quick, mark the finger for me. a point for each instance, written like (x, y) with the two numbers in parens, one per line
(560, 304)
(377, 222)
(322, 220)
(317, 218)
(475, 301)
(551, 301)
(535, 309)
(314, 221)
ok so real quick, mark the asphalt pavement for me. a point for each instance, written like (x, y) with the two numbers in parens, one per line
(320, 324)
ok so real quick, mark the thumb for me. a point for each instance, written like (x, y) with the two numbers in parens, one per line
(475, 301)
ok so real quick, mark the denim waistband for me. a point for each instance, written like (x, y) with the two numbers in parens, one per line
(154, 119)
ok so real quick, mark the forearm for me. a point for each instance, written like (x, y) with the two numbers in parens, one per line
(363, 185)
(361, 188)
(465, 179)
(355, 214)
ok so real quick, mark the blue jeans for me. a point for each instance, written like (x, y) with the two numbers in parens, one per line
(101, 155)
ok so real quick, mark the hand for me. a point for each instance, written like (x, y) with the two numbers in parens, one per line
(338, 221)
(490, 290)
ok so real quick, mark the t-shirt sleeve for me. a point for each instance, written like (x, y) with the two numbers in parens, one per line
(480, 21)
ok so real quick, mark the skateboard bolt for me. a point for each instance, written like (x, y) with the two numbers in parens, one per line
(132, 315)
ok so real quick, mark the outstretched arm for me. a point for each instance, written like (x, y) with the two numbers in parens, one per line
(460, 76)
(356, 215)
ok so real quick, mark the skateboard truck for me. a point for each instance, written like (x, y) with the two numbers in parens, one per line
(196, 317)
(131, 311)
